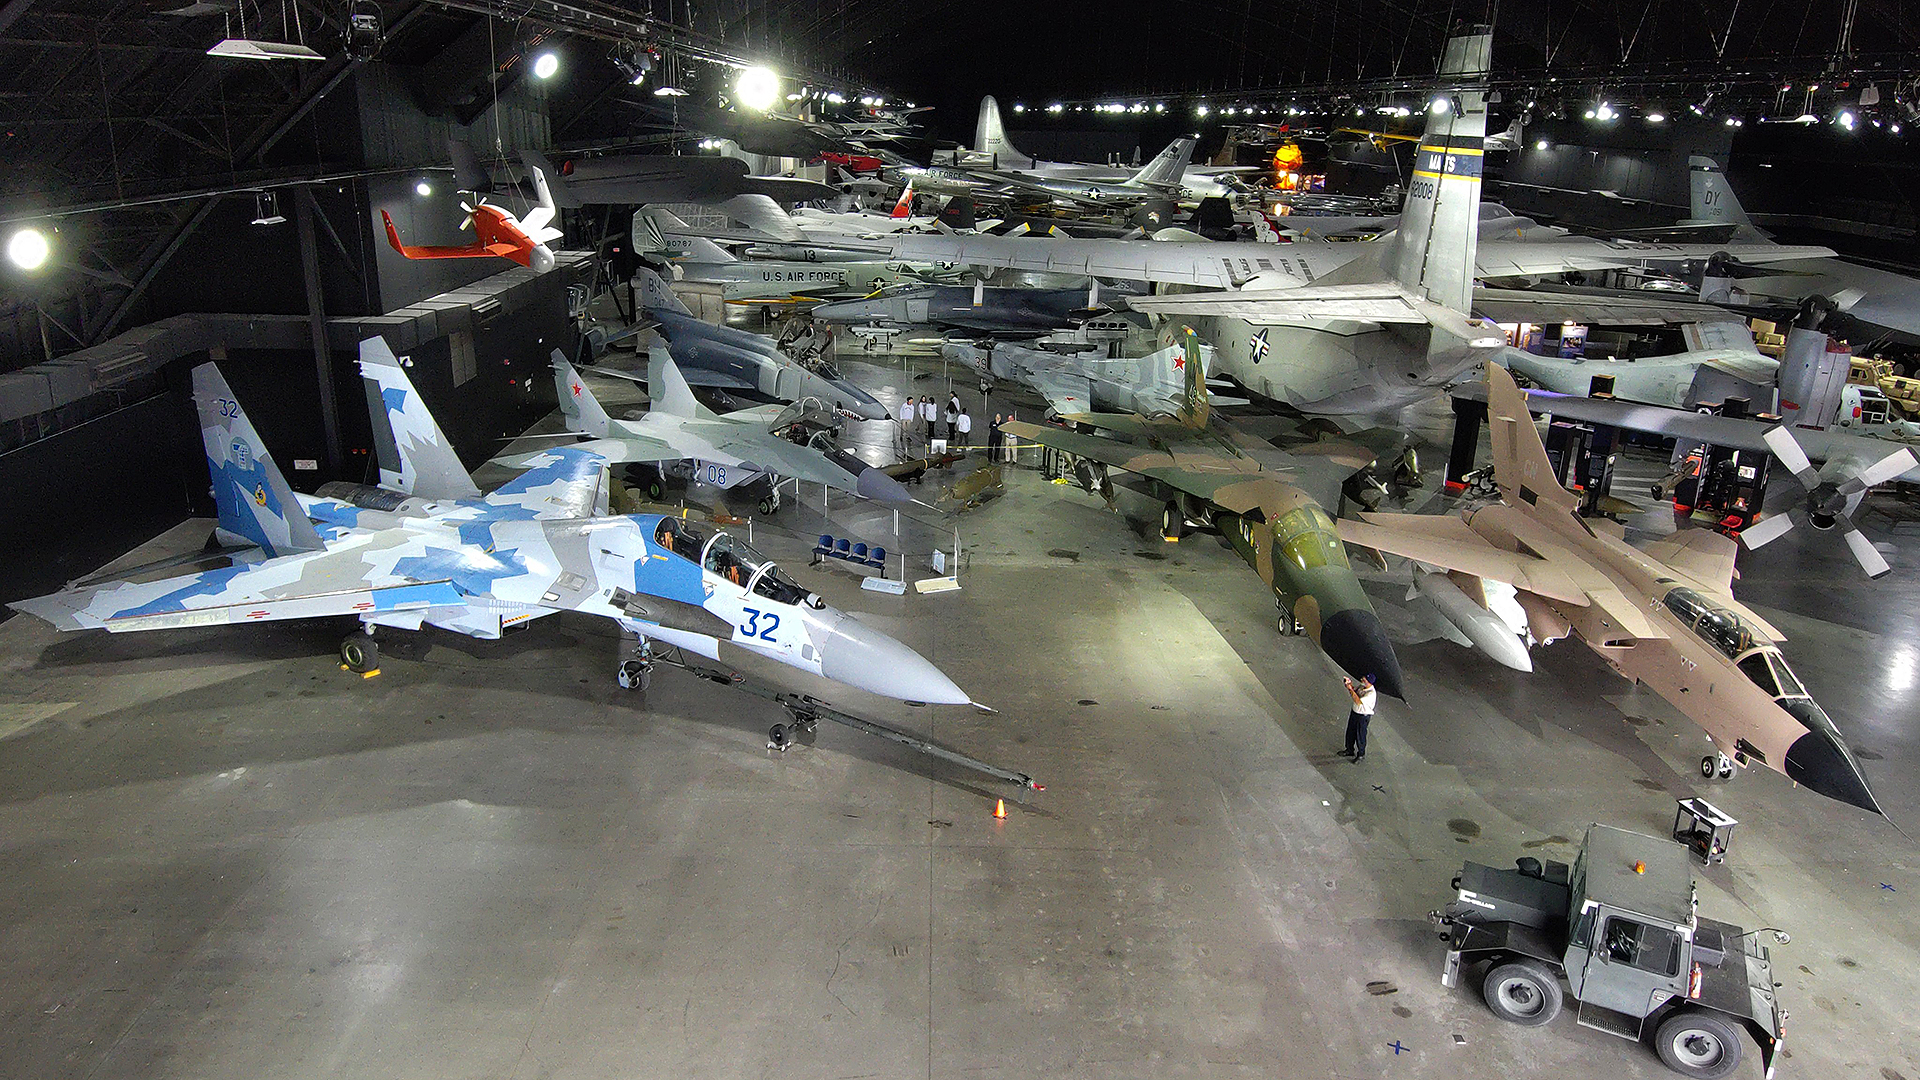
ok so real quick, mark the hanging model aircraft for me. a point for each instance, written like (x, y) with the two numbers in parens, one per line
(1267, 503)
(425, 548)
(725, 450)
(498, 233)
(1663, 615)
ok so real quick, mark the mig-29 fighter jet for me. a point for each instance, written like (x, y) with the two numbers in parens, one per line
(1208, 474)
(1662, 614)
(426, 548)
(728, 450)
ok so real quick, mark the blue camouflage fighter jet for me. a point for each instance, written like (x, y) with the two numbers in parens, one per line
(426, 548)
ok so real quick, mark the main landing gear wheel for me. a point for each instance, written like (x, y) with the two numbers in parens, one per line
(769, 504)
(1716, 765)
(1173, 524)
(782, 736)
(360, 653)
(1697, 1044)
(1522, 992)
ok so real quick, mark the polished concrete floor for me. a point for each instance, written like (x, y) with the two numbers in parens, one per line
(223, 856)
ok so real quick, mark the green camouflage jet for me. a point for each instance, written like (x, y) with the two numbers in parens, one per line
(1268, 503)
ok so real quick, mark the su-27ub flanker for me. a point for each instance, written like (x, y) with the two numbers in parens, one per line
(426, 548)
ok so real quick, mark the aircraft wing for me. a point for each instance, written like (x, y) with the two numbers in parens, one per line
(1233, 483)
(561, 482)
(1447, 541)
(1343, 303)
(1735, 434)
(1544, 306)
(1701, 554)
(1174, 262)
(1532, 258)
(337, 581)
(1357, 303)
(1066, 392)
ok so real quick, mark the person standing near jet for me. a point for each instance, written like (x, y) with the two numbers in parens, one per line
(909, 412)
(930, 415)
(1364, 699)
(953, 414)
(964, 427)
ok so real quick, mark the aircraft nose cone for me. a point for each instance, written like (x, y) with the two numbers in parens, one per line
(863, 657)
(874, 484)
(1358, 643)
(1819, 762)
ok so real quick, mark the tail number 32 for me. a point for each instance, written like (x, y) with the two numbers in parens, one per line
(752, 628)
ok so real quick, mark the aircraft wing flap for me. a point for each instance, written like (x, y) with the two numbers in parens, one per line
(1701, 554)
(1521, 305)
(1358, 303)
(1455, 546)
(1106, 451)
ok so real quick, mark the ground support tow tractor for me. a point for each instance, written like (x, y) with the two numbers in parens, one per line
(1619, 929)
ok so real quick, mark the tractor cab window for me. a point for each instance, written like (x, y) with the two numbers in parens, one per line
(680, 538)
(1642, 945)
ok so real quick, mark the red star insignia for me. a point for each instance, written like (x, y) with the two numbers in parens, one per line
(1179, 362)
(576, 388)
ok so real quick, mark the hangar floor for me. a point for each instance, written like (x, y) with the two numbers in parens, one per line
(223, 856)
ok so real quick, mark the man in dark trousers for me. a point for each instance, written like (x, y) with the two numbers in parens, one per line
(1363, 701)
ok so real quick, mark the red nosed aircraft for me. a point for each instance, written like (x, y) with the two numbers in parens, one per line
(498, 234)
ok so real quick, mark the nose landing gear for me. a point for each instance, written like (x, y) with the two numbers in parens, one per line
(1719, 765)
(636, 671)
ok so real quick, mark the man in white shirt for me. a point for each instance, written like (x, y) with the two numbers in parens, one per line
(908, 413)
(964, 425)
(930, 415)
(1363, 701)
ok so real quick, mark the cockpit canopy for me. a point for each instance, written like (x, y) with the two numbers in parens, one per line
(1757, 657)
(733, 559)
(1718, 626)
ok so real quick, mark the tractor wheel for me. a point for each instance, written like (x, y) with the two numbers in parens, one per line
(1697, 1044)
(1522, 992)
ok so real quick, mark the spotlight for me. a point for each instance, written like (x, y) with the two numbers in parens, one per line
(28, 249)
(1019, 108)
(1604, 111)
(1656, 118)
(1200, 111)
(1440, 107)
(1541, 145)
(633, 60)
(668, 91)
(1055, 107)
(423, 189)
(545, 65)
(1845, 119)
(757, 88)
